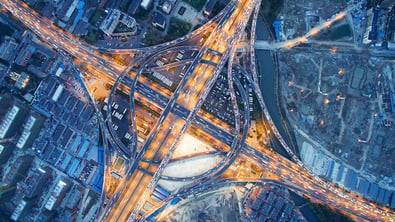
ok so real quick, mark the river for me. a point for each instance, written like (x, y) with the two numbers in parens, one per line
(266, 72)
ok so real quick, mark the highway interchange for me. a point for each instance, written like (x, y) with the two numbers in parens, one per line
(180, 111)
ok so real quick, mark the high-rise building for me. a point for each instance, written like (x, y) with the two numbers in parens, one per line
(6, 191)
(12, 121)
(35, 181)
(57, 194)
(114, 19)
(386, 4)
(5, 151)
(7, 48)
(18, 170)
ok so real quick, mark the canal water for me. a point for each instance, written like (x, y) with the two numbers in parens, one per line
(266, 71)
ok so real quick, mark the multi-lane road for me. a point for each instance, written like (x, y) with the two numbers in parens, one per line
(169, 129)
(180, 109)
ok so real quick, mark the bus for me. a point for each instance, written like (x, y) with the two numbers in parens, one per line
(155, 198)
(162, 191)
(161, 196)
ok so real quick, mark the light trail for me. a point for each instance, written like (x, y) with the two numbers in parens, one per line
(57, 40)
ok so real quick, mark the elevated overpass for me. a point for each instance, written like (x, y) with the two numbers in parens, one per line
(54, 38)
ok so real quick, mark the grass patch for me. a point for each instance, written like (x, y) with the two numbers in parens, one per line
(141, 14)
(93, 36)
(18, 68)
(270, 9)
(37, 59)
(196, 4)
(90, 39)
(340, 32)
(152, 37)
(177, 28)
(96, 16)
(326, 214)
(5, 30)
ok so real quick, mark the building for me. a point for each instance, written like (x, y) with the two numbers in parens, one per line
(69, 6)
(351, 180)
(22, 208)
(57, 195)
(58, 92)
(5, 151)
(146, 4)
(21, 80)
(391, 33)
(166, 7)
(5, 103)
(391, 41)
(6, 191)
(81, 28)
(35, 181)
(376, 27)
(18, 170)
(159, 21)
(387, 4)
(25, 49)
(60, 70)
(12, 121)
(117, 23)
(74, 196)
(7, 48)
(24, 55)
(3, 70)
(46, 215)
(278, 26)
(47, 63)
(134, 6)
(97, 182)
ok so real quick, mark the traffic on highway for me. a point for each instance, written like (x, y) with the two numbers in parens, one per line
(180, 110)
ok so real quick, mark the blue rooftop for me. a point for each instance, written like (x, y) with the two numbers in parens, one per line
(387, 195)
(277, 29)
(83, 149)
(352, 180)
(331, 167)
(73, 166)
(363, 186)
(97, 183)
(81, 5)
(66, 161)
(78, 17)
(109, 24)
(174, 201)
(31, 49)
(75, 143)
(340, 173)
(380, 197)
(101, 155)
(373, 190)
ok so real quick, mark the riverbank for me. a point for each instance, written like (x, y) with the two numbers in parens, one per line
(268, 82)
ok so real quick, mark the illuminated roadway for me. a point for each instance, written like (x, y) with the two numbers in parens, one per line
(56, 37)
(164, 136)
(196, 87)
(363, 209)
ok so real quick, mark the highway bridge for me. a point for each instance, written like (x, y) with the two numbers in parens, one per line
(180, 108)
